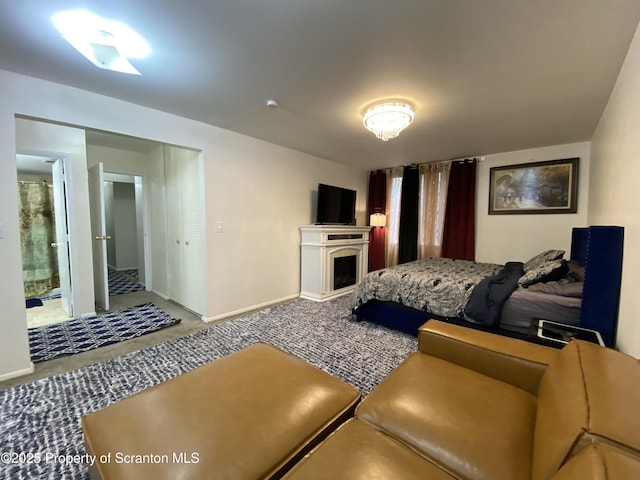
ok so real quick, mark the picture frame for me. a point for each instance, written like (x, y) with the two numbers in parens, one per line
(534, 188)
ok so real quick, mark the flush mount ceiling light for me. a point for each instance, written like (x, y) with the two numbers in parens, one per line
(107, 44)
(387, 119)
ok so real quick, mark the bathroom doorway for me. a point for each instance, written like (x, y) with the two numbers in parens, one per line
(42, 205)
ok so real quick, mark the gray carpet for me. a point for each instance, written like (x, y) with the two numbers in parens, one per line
(40, 421)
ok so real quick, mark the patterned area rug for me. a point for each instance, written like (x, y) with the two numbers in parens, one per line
(43, 418)
(82, 334)
(133, 272)
(121, 283)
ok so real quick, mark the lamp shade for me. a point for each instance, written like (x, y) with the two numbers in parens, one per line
(377, 220)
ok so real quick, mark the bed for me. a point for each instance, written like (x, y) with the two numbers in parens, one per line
(581, 289)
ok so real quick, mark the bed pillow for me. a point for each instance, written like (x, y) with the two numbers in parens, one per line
(570, 289)
(542, 258)
(576, 271)
(550, 270)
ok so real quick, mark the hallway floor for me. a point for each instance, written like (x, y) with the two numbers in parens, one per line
(189, 324)
(50, 312)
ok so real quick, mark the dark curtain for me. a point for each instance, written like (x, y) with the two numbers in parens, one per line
(459, 223)
(408, 236)
(377, 201)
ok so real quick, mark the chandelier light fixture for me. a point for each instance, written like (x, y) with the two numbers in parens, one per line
(387, 119)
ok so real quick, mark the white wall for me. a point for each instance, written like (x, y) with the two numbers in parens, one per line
(503, 238)
(262, 193)
(124, 219)
(14, 343)
(266, 195)
(614, 195)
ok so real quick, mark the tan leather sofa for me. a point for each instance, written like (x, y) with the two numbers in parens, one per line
(472, 405)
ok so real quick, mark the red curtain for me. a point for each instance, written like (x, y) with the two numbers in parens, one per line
(377, 204)
(459, 224)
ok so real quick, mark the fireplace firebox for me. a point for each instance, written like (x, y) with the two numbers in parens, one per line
(344, 271)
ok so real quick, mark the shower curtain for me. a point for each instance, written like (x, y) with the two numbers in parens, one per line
(37, 232)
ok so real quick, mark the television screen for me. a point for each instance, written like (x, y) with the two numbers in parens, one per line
(336, 206)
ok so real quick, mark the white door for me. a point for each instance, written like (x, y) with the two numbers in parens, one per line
(62, 234)
(175, 231)
(185, 227)
(99, 234)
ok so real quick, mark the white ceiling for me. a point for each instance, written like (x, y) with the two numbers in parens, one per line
(485, 76)
(34, 164)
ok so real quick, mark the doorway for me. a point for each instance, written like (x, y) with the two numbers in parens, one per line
(42, 205)
(117, 210)
(124, 218)
(168, 221)
(145, 160)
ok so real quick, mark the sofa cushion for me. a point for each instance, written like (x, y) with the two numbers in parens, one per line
(357, 451)
(600, 462)
(588, 394)
(471, 425)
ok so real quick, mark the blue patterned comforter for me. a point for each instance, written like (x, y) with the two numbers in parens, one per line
(440, 286)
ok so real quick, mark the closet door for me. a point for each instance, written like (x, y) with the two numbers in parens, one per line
(185, 227)
(174, 227)
(192, 227)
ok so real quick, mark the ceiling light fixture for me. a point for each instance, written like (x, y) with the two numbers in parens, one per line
(387, 119)
(106, 43)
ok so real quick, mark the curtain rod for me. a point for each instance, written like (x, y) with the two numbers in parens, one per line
(33, 182)
(481, 158)
(477, 159)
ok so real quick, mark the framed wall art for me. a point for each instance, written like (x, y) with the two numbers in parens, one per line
(537, 187)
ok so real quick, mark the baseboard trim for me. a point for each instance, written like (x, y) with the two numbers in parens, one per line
(88, 315)
(17, 373)
(122, 269)
(324, 297)
(161, 295)
(222, 316)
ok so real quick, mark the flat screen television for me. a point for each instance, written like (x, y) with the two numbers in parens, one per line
(336, 206)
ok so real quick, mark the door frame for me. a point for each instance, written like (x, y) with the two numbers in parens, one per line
(60, 186)
(71, 223)
(139, 180)
(95, 177)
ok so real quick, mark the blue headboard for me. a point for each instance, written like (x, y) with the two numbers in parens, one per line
(599, 250)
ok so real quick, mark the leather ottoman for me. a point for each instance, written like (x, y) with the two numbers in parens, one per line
(249, 415)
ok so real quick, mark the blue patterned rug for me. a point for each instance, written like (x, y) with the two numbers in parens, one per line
(121, 283)
(82, 334)
(133, 272)
(43, 418)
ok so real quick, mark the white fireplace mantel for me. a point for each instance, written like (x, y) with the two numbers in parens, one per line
(333, 259)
